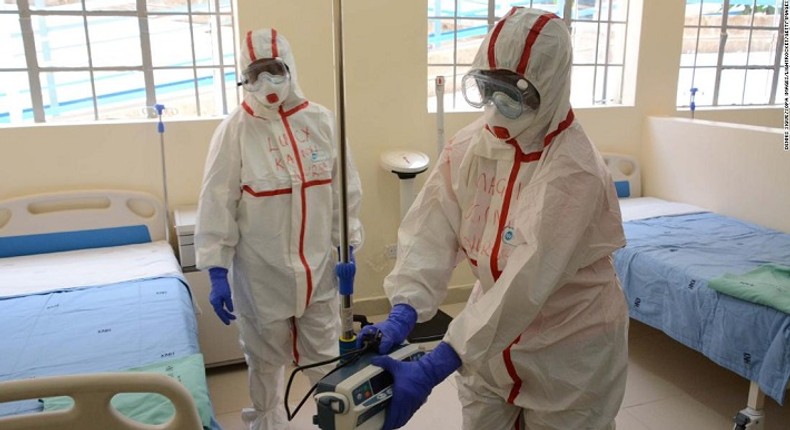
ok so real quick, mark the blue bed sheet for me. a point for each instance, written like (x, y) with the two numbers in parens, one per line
(94, 329)
(665, 268)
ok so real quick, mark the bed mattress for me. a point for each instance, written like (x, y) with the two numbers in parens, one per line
(665, 268)
(108, 309)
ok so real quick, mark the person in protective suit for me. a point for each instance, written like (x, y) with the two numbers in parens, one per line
(523, 195)
(269, 214)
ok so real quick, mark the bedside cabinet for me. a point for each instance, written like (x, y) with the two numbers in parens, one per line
(185, 229)
(219, 343)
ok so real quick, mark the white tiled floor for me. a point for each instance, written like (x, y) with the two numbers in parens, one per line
(669, 387)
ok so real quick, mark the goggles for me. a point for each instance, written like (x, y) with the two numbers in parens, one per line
(273, 70)
(508, 91)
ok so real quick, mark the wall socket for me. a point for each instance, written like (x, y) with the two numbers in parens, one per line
(391, 251)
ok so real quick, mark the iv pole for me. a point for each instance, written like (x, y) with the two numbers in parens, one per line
(439, 115)
(346, 271)
(160, 128)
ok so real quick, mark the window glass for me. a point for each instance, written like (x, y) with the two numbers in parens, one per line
(731, 87)
(60, 41)
(12, 51)
(758, 87)
(15, 104)
(115, 41)
(470, 35)
(120, 95)
(67, 96)
(441, 8)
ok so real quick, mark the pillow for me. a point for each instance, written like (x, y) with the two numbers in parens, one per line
(31, 244)
(623, 188)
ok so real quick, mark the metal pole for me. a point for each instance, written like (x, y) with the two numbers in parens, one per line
(439, 115)
(347, 335)
(161, 130)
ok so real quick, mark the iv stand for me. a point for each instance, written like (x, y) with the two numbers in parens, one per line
(160, 128)
(346, 281)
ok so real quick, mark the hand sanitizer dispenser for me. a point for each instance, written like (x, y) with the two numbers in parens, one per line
(407, 165)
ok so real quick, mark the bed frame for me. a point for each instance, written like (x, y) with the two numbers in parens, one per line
(625, 167)
(75, 211)
(92, 394)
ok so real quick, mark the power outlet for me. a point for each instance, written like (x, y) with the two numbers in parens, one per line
(391, 251)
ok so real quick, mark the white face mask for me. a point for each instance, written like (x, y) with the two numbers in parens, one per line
(505, 128)
(272, 95)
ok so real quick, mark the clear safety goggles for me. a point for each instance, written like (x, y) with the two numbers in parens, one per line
(273, 70)
(511, 93)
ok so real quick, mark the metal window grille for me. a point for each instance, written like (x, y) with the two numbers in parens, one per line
(76, 60)
(732, 52)
(598, 29)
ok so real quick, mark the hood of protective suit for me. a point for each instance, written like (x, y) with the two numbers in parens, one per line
(268, 43)
(537, 45)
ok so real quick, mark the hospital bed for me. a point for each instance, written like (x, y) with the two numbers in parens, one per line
(97, 320)
(689, 272)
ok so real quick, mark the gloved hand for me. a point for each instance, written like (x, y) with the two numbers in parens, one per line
(345, 273)
(414, 380)
(220, 297)
(394, 329)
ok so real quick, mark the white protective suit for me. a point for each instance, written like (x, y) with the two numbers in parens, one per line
(532, 207)
(270, 210)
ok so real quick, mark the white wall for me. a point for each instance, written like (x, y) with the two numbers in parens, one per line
(737, 170)
(386, 54)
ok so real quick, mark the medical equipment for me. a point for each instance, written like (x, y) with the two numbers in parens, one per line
(357, 395)
(407, 165)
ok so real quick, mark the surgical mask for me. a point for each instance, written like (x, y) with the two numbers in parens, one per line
(505, 128)
(272, 93)
(511, 93)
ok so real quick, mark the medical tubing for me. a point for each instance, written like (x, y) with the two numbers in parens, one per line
(356, 354)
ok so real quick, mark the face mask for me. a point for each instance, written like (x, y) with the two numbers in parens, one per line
(272, 93)
(505, 128)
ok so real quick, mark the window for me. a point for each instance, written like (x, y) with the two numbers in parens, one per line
(78, 60)
(456, 28)
(732, 52)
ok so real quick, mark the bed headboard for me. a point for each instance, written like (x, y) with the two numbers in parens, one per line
(625, 173)
(71, 220)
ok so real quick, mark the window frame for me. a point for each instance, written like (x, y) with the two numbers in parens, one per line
(34, 71)
(568, 6)
(776, 68)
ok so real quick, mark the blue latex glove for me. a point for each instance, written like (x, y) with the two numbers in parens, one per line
(220, 297)
(414, 380)
(394, 329)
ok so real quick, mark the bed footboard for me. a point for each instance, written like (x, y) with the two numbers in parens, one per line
(92, 394)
